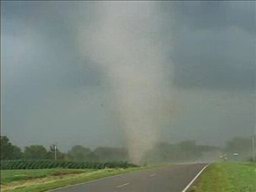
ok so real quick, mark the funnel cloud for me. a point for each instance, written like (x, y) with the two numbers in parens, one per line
(126, 46)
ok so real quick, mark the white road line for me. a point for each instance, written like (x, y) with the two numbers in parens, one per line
(119, 186)
(193, 180)
(152, 175)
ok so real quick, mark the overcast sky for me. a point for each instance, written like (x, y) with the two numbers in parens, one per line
(54, 90)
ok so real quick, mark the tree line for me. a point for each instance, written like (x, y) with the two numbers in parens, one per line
(161, 152)
(10, 151)
(237, 148)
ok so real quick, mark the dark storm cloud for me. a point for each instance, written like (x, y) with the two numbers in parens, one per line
(214, 45)
(50, 86)
(216, 15)
(56, 63)
(40, 60)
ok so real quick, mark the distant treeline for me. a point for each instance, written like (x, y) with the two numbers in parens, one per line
(161, 152)
(237, 148)
(178, 152)
(76, 153)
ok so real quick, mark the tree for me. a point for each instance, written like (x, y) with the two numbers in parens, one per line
(16, 152)
(79, 153)
(51, 153)
(8, 150)
(189, 150)
(35, 152)
(182, 151)
(111, 154)
(239, 145)
(92, 157)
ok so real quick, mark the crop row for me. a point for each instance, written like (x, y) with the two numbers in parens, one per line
(49, 164)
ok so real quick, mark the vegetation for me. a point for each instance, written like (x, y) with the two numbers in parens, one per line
(235, 149)
(111, 154)
(35, 169)
(8, 150)
(43, 180)
(49, 164)
(35, 152)
(76, 153)
(79, 153)
(182, 151)
(240, 146)
(9, 176)
(227, 177)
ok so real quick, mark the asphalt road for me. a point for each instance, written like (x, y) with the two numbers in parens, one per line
(164, 179)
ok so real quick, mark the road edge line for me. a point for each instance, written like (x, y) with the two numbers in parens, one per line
(193, 180)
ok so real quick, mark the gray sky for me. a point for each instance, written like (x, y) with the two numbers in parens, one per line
(55, 91)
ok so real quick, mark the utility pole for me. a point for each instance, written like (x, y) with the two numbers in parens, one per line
(254, 135)
(253, 148)
(55, 152)
(254, 142)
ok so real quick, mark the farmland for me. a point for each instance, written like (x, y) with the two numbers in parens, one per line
(38, 180)
(42, 175)
(221, 177)
(48, 164)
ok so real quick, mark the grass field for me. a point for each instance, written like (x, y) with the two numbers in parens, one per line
(39, 180)
(8, 176)
(227, 177)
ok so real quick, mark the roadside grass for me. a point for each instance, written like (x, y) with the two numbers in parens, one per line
(8, 176)
(47, 179)
(227, 177)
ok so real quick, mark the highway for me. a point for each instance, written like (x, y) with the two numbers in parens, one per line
(165, 179)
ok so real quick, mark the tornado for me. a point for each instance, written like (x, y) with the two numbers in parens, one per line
(125, 42)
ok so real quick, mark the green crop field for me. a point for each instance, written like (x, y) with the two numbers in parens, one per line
(42, 175)
(39, 180)
(227, 177)
(49, 164)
